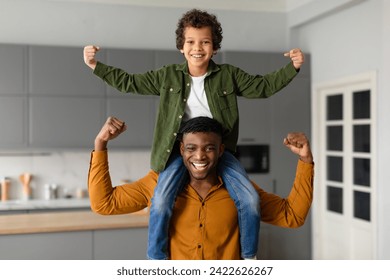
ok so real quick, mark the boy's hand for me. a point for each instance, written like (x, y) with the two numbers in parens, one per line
(297, 57)
(89, 56)
(298, 143)
(110, 130)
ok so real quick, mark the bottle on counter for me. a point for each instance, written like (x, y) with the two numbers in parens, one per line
(50, 191)
(5, 186)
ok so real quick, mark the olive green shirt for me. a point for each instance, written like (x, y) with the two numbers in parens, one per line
(223, 83)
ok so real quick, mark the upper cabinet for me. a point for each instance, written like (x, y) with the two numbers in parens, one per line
(13, 96)
(65, 122)
(132, 61)
(60, 71)
(13, 62)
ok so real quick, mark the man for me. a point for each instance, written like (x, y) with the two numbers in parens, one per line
(204, 222)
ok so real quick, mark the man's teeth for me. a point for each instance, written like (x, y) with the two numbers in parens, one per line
(197, 55)
(199, 165)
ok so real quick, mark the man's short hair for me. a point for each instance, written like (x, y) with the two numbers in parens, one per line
(200, 124)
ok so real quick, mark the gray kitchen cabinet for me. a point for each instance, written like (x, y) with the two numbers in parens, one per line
(47, 246)
(13, 72)
(255, 123)
(166, 57)
(60, 71)
(139, 116)
(65, 122)
(138, 111)
(120, 244)
(132, 61)
(13, 121)
(251, 62)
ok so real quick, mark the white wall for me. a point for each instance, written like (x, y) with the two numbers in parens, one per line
(353, 41)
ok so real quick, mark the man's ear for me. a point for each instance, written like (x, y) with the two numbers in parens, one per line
(181, 148)
(221, 149)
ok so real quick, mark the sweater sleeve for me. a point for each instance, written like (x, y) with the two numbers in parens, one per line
(292, 211)
(108, 200)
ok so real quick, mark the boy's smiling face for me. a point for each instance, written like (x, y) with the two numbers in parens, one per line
(198, 49)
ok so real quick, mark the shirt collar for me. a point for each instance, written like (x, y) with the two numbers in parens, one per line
(213, 67)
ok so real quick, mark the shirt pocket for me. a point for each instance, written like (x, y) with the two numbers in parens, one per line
(170, 96)
(227, 98)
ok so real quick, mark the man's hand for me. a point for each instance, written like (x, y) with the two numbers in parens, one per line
(298, 143)
(297, 57)
(89, 56)
(110, 130)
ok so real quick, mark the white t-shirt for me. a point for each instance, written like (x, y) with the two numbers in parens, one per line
(197, 105)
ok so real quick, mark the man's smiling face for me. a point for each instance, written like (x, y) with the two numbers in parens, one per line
(200, 152)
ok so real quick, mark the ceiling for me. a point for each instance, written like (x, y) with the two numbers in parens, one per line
(279, 6)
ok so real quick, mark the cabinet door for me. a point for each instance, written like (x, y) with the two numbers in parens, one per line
(139, 115)
(61, 71)
(13, 122)
(166, 57)
(65, 122)
(13, 69)
(252, 62)
(120, 244)
(47, 246)
(255, 123)
(132, 61)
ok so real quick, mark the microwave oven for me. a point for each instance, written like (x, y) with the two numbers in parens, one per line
(254, 158)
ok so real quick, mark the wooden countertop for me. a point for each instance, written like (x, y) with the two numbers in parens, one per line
(68, 221)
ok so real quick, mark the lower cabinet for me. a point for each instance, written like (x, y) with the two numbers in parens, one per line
(110, 244)
(120, 244)
(47, 246)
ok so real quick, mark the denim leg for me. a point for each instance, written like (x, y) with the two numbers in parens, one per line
(247, 202)
(170, 181)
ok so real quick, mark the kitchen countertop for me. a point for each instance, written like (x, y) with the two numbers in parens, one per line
(68, 221)
(35, 204)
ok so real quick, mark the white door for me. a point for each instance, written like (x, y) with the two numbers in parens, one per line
(344, 220)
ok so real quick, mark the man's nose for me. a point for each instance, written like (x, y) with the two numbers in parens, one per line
(200, 154)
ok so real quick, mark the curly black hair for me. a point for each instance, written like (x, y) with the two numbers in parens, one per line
(198, 18)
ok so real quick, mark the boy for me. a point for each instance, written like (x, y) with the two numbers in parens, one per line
(198, 87)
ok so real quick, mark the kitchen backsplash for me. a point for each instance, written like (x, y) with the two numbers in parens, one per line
(68, 170)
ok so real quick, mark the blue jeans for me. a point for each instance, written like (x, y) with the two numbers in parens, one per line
(174, 178)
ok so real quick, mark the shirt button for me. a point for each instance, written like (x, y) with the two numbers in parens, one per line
(184, 100)
(171, 89)
(224, 92)
(180, 116)
(199, 246)
(188, 84)
(200, 225)
(168, 151)
(175, 134)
